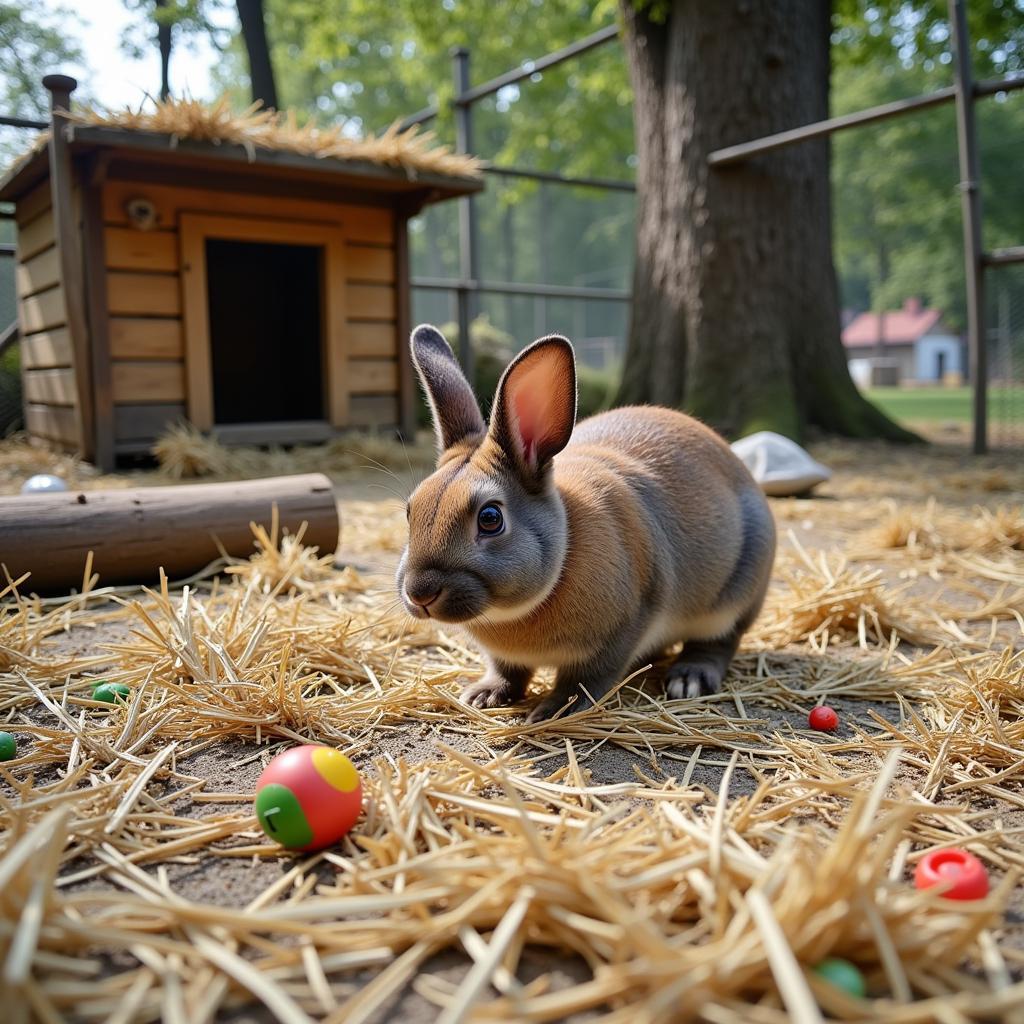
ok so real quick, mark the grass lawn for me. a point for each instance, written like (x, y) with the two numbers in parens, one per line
(934, 405)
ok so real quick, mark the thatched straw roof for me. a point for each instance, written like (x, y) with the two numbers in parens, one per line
(261, 134)
(255, 128)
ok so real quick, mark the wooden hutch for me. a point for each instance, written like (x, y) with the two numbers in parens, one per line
(259, 293)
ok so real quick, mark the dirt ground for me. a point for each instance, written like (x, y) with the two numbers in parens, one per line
(929, 541)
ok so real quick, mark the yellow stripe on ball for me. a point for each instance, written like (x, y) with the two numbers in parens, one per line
(335, 769)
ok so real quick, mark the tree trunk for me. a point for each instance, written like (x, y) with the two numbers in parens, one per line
(163, 39)
(254, 34)
(735, 308)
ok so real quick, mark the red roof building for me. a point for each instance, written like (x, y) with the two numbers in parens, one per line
(898, 327)
(912, 344)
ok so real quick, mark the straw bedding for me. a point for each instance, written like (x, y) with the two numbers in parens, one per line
(660, 861)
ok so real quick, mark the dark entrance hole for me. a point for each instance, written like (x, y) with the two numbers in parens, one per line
(266, 331)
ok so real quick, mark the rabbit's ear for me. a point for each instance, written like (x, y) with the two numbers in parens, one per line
(453, 405)
(535, 405)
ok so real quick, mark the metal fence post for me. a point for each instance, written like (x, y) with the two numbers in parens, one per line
(970, 201)
(469, 270)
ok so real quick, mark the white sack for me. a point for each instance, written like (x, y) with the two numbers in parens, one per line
(778, 464)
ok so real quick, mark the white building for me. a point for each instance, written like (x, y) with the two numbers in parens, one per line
(908, 344)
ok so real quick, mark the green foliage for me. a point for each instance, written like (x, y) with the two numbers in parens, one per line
(187, 18)
(374, 63)
(897, 208)
(898, 229)
(10, 391)
(33, 41)
(917, 33)
(492, 350)
(371, 64)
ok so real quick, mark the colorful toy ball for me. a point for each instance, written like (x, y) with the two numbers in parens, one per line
(8, 747)
(111, 692)
(967, 875)
(308, 797)
(843, 975)
(823, 718)
(43, 483)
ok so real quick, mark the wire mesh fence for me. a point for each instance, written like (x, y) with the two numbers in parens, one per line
(899, 245)
(1005, 295)
(1002, 158)
(537, 233)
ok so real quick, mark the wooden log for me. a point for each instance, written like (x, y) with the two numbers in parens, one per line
(134, 533)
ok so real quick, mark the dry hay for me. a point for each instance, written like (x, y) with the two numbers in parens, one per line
(680, 907)
(183, 452)
(740, 852)
(928, 531)
(412, 150)
(825, 601)
(21, 458)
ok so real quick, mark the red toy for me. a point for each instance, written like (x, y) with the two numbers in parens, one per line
(823, 718)
(308, 797)
(967, 874)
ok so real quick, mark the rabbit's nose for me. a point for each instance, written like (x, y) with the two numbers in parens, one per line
(424, 587)
(423, 596)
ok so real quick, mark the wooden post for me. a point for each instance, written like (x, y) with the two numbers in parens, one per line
(94, 269)
(970, 201)
(134, 533)
(403, 327)
(66, 232)
(469, 264)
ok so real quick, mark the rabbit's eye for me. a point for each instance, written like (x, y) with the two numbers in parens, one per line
(490, 520)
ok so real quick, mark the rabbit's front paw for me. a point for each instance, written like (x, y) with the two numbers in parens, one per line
(491, 692)
(557, 705)
(693, 679)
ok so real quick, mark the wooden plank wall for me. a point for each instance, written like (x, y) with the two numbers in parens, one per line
(144, 293)
(47, 375)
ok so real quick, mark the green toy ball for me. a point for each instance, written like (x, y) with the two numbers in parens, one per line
(8, 747)
(843, 975)
(111, 692)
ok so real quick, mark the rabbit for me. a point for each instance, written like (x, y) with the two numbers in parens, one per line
(585, 548)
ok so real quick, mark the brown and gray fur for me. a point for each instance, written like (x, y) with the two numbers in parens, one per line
(632, 532)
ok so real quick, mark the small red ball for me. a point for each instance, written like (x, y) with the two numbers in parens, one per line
(823, 718)
(967, 875)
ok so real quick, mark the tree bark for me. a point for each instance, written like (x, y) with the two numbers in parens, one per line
(254, 34)
(735, 307)
(163, 39)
